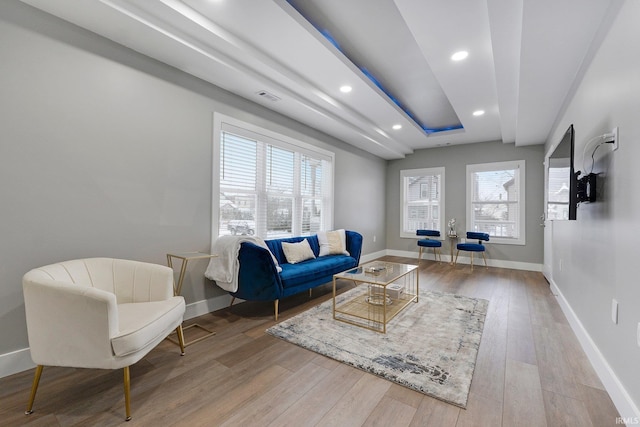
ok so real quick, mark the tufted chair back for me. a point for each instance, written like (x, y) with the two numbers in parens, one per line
(130, 281)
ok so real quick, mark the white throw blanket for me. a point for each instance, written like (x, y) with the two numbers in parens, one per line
(224, 268)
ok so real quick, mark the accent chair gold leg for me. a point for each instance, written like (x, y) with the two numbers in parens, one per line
(232, 300)
(127, 393)
(485, 260)
(419, 256)
(471, 260)
(309, 292)
(275, 306)
(456, 260)
(34, 388)
(180, 339)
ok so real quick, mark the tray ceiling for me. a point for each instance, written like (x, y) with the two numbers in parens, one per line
(294, 56)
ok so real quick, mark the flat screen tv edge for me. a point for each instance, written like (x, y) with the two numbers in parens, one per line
(573, 187)
(561, 161)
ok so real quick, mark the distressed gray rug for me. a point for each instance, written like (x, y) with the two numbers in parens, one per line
(430, 347)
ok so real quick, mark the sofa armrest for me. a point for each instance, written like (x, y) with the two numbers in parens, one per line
(258, 279)
(69, 324)
(354, 244)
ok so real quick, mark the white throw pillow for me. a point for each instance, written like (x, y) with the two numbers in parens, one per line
(297, 252)
(333, 242)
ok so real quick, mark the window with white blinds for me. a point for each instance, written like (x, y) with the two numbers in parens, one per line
(496, 200)
(270, 185)
(422, 193)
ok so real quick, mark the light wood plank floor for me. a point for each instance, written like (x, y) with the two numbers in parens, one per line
(530, 371)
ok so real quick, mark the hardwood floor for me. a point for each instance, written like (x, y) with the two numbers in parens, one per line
(530, 371)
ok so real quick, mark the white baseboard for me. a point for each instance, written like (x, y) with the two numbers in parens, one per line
(14, 362)
(199, 308)
(621, 399)
(370, 257)
(515, 265)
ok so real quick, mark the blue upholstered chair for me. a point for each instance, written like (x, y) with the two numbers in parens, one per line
(429, 243)
(473, 247)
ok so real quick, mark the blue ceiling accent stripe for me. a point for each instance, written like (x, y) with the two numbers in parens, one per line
(406, 110)
(328, 36)
(375, 81)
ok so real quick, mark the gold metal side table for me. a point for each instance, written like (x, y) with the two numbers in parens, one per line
(177, 288)
(453, 240)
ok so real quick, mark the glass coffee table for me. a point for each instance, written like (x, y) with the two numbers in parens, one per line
(384, 289)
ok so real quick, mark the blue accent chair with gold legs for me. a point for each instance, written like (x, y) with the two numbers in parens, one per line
(429, 243)
(473, 247)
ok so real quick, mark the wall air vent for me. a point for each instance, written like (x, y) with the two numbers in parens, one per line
(267, 95)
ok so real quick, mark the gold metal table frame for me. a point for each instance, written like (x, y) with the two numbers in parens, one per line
(453, 241)
(391, 287)
(177, 289)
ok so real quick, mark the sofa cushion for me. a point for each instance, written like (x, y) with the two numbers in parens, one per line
(297, 252)
(275, 246)
(141, 323)
(332, 242)
(310, 270)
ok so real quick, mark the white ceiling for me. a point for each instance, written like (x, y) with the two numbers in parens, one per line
(523, 58)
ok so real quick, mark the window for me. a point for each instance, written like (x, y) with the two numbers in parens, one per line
(422, 193)
(268, 184)
(495, 200)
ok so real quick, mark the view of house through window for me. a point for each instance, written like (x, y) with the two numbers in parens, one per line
(271, 188)
(422, 200)
(495, 200)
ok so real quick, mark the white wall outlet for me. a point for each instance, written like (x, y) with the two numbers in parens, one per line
(614, 311)
(560, 264)
(615, 138)
(374, 238)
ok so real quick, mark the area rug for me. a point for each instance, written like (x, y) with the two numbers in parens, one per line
(430, 347)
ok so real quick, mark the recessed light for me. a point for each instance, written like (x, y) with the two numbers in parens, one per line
(459, 56)
(478, 113)
(396, 127)
(345, 89)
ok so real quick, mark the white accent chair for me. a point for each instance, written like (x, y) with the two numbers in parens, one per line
(99, 313)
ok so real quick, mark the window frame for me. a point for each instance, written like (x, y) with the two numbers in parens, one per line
(223, 123)
(404, 203)
(520, 165)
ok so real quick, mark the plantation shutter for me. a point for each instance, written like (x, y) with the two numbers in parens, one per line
(272, 188)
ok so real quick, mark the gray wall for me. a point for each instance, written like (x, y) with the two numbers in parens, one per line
(105, 152)
(598, 251)
(455, 159)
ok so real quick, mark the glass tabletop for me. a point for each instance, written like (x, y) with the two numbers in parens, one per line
(377, 272)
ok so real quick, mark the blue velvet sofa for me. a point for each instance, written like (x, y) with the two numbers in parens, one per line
(259, 279)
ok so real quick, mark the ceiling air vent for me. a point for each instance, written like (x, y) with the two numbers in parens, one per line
(267, 95)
